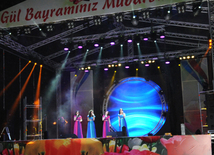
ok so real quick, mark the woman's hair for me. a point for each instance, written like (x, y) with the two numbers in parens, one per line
(76, 112)
(89, 113)
(119, 110)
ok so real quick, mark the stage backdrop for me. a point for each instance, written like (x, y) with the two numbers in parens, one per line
(81, 96)
(33, 12)
(142, 101)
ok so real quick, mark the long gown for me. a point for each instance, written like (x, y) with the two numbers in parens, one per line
(123, 123)
(78, 127)
(106, 126)
(91, 131)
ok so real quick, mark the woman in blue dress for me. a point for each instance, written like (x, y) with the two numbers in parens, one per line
(122, 122)
(91, 131)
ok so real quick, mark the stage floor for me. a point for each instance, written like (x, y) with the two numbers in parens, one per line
(151, 145)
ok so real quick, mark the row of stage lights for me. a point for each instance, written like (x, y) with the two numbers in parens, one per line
(35, 63)
(146, 63)
(137, 40)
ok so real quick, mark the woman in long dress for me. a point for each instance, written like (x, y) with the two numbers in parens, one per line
(122, 122)
(91, 131)
(106, 123)
(78, 125)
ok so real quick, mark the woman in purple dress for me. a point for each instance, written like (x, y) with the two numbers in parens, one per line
(78, 125)
(106, 123)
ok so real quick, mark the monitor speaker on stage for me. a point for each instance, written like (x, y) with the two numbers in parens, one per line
(114, 134)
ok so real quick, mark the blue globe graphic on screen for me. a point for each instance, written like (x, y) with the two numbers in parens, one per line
(142, 101)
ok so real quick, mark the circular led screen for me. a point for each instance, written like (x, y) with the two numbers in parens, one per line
(143, 103)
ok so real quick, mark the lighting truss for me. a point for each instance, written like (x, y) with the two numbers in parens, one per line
(159, 56)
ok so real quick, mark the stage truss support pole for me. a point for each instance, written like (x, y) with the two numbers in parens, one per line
(58, 101)
(25, 118)
(20, 102)
(3, 79)
(131, 47)
(210, 96)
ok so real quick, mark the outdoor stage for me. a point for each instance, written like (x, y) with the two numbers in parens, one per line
(151, 145)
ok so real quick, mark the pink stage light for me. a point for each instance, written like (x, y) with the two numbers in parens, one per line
(105, 69)
(145, 39)
(129, 41)
(167, 62)
(126, 67)
(86, 71)
(147, 65)
(112, 43)
(96, 45)
(162, 36)
(66, 49)
(80, 47)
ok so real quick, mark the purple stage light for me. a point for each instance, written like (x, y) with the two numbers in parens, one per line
(86, 71)
(96, 45)
(105, 69)
(126, 67)
(167, 62)
(147, 65)
(162, 36)
(145, 39)
(129, 41)
(112, 43)
(80, 47)
(66, 49)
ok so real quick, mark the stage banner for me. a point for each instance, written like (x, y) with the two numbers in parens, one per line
(33, 12)
(151, 145)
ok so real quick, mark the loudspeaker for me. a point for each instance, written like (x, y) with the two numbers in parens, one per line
(71, 136)
(114, 134)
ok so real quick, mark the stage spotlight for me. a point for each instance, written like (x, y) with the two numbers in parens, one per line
(147, 65)
(158, 67)
(135, 19)
(153, 61)
(119, 64)
(80, 46)
(89, 67)
(40, 65)
(119, 17)
(162, 35)
(167, 13)
(70, 25)
(136, 69)
(138, 44)
(180, 58)
(161, 92)
(49, 28)
(121, 45)
(181, 8)
(192, 56)
(29, 61)
(82, 68)
(210, 43)
(184, 58)
(146, 14)
(112, 43)
(115, 71)
(155, 41)
(96, 45)
(66, 49)
(196, 8)
(127, 67)
(105, 69)
(97, 20)
(149, 61)
(27, 30)
(129, 40)
(179, 65)
(142, 62)
(109, 66)
(167, 62)
(188, 57)
(112, 65)
(35, 63)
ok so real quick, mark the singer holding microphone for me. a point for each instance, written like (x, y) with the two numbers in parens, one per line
(106, 123)
(78, 125)
(91, 131)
